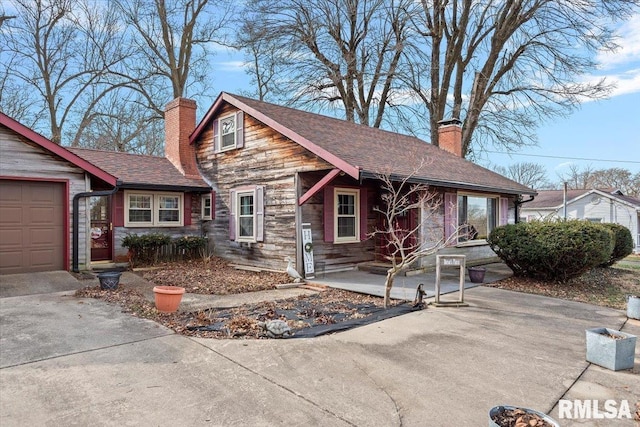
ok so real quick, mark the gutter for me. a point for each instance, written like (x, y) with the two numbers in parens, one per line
(76, 217)
(519, 202)
(449, 184)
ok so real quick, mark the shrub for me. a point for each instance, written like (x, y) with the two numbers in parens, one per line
(144, 248)
(552, 250)
(623, 243)
(191, 246)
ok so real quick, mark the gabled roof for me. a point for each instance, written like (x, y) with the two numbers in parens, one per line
(364, 152)
(554, 199)
(141, 171)
(58, 150)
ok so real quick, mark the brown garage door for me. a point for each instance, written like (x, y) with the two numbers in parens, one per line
(31, 226)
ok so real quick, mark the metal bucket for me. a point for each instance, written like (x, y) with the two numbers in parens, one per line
(496, 409)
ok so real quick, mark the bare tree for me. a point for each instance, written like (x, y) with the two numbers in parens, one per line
(173, 40)
(503, 66)
(336, 53)
(613, 178)
(60, 52)
(533, 175)
(405, 246)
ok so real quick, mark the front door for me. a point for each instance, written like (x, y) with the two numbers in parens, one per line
(403, 225)
(101, 228)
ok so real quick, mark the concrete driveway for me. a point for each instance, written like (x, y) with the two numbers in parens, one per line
(68, 361)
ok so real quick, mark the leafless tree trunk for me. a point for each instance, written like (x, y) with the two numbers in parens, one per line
(332, 51)
(426, 237)
(502, 66)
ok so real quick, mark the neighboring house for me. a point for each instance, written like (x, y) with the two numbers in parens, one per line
(141, 194)
(38, 181)
(274, 169)
(597, 205)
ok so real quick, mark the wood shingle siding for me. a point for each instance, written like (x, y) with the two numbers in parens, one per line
(271, 160)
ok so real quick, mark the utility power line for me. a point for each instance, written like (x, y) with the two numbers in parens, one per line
(563, 158)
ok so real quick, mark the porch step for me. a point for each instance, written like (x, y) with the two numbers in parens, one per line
(381, 269)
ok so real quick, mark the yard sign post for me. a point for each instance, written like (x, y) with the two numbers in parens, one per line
(453, 260)
(307, 251)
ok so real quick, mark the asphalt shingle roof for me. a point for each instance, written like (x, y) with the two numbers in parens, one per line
(140, 170)
(548, 199)
(377, 151)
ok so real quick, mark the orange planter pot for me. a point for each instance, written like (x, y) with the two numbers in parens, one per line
(168, 298)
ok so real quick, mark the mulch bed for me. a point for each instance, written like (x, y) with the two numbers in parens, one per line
(306, 312)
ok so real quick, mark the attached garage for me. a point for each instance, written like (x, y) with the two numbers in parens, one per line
(32, 226)
(38, 181)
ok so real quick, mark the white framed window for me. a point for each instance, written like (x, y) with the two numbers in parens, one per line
(227, 132)
(246, 223)
(592, 219)
(146, 209)
(246, 214)
(477, 216)
(346, 215)
(206, 207)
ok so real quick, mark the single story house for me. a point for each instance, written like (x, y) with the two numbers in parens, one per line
(596, 205)
(115, 193)
(276, 171)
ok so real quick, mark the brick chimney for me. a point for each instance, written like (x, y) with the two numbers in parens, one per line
(450, 136)
(179, 123)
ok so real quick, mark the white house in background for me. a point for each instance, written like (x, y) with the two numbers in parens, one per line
(597, 205)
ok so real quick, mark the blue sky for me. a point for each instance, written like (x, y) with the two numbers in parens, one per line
(599, 131)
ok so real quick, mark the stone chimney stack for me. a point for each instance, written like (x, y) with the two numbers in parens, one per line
(450, 136)
(179, 123)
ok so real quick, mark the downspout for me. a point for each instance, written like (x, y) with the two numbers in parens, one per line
(76, 218)
(517, 204)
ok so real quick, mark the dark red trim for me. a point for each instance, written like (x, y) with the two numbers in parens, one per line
(66, 230)
(351, 170)
(60, 151)
(318, 186)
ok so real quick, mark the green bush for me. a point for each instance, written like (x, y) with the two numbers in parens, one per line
(191, 246)
(552, 250)
(623, 245)
(143, 249)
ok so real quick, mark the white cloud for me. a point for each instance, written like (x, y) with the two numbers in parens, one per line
(231, 65)
(562, 166)
(629, 42)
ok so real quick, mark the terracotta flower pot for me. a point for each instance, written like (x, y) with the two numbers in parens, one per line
(168, 298)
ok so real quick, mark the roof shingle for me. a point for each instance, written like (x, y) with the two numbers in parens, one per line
(139, 170)
(375, 151)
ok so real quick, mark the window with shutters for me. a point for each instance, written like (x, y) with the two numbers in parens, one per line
(477, 216)
(227, 129)
(346, 215)
(144, 209)
(246, 216)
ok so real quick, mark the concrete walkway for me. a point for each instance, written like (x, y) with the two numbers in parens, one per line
(69, 361)
(404, 288)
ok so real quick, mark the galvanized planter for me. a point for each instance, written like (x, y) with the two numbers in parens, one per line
(497, 409)
(608, 352)
(109, 280)
(633, 307)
